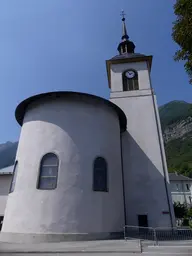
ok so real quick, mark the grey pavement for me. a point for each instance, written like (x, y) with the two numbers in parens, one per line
(95, 254)
(100, 248)
(98, 254)
(105, 246)
(167, 250)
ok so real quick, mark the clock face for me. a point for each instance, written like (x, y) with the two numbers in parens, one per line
(130, 74)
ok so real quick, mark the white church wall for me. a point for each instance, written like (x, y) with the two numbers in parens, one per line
(78, 132)
(143, 171)
(143, 158)
(118, 69)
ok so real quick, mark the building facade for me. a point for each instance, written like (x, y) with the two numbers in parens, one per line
(5, 182)
(181, 188)
(86, 166)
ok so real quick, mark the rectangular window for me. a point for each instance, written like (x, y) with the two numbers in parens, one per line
(177, 187)
(100, 175)
(187, 187)
(130, 80)
(172, 186)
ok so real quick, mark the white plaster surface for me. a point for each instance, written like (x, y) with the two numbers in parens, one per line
(118, 69)
(78, 132)
(143, 159)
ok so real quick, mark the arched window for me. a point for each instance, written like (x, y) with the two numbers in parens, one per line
(48, 172)
(100, 179)
(12, 186)
(130, 80)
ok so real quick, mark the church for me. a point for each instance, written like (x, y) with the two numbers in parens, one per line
(85, 166)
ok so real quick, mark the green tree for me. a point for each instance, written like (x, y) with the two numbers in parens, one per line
(180, 210)
(182, 33)
(189, 213)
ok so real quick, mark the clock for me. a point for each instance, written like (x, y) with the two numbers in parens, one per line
(130, 74)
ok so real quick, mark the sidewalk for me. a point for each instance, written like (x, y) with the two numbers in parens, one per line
(109, 246)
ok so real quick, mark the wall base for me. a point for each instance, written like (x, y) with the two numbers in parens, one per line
(54, 237)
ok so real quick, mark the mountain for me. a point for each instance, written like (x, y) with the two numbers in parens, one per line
(176, 122)
(174, 112)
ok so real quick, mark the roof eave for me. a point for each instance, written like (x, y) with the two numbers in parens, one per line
(22, 107)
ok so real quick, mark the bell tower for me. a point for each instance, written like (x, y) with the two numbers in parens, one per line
(146, 184)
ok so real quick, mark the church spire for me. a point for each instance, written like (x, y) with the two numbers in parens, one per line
(125, 46)
(124, 35)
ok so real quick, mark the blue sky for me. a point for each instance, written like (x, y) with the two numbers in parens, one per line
(50, 45)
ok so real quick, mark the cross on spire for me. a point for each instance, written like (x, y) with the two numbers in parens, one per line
(123, 15)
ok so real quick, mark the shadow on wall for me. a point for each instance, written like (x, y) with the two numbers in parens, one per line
(146, 189)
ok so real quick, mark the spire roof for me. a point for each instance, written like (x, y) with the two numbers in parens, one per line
(125, 46)
(124, 34)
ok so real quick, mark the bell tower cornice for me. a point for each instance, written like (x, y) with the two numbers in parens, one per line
(127, 58)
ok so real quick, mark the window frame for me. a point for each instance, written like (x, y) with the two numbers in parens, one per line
(107, 176)
(40, 169)
(187, 187)
(124, 78)
(14, 177)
